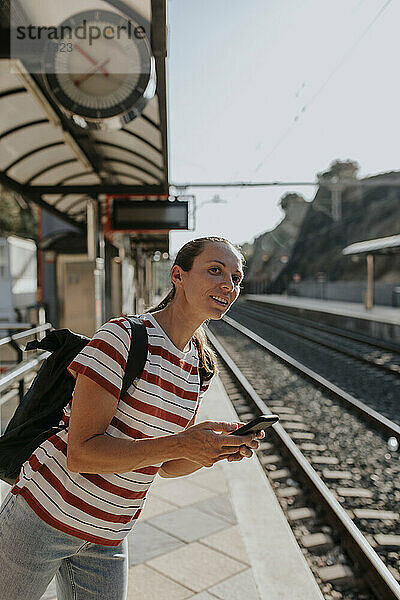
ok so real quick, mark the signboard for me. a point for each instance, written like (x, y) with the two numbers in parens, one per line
(142, 214)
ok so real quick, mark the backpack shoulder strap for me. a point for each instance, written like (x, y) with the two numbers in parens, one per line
(137, 352)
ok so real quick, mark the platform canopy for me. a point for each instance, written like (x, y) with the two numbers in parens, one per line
(385, 245)
(51, 161)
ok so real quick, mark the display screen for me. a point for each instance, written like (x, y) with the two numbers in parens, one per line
(135, 215)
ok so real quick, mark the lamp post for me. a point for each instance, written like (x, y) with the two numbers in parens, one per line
(216, 199)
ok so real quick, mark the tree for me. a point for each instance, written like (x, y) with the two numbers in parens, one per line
(17, 216)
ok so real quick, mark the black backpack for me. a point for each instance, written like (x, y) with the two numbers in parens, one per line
(37, 417)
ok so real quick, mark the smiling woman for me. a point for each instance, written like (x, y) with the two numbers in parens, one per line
(82, 490)
(208, 268)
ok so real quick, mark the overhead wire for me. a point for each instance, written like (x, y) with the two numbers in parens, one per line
(325, 83)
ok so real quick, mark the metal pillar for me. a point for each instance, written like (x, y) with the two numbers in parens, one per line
(140, 274)
(91, 213)
(369, 296)
(96, 252)
(148, 281)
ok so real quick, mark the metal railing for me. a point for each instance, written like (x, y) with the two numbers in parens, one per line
(17, 374)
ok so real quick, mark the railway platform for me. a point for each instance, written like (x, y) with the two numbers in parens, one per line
(382, 322)
(217, 534)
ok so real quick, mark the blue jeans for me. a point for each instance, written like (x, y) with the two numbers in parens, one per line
(32, 552)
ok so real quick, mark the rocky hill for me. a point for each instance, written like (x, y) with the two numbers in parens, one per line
(272, 249)
(365, 212)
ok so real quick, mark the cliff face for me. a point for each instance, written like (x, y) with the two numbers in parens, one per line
(272, 249)
(316, 245)
(366, 213)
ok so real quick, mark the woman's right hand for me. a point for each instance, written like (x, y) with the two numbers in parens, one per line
(203, 444)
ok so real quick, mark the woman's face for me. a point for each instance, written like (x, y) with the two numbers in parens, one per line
(213, 283)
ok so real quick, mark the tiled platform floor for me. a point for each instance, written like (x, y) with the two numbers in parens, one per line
(187, 543)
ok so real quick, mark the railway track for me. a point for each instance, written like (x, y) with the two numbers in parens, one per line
(350, 533)
(365, 371)
(379, 354)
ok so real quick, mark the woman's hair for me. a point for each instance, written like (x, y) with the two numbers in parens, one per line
(184, 259)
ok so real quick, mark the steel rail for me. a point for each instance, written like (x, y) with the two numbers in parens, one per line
(391, 369)
(378, 576)
(381, 423)
(351, 335)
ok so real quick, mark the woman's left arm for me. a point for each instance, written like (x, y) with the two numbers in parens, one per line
(181, 466)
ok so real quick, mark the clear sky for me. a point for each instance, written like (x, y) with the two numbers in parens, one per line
(276, 90)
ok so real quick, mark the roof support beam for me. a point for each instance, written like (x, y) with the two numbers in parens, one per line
(77, 202)
(101, 188)
(23, 126)
(142, 139)
(20, 90)
(130, 164)
(35, 88)
(83, 197)
(27, 154)
(75, 176)
(124, 149)
(49, 168)
(13, 185)
(150, 121)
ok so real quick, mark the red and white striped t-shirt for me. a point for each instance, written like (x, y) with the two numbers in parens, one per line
(103, 508)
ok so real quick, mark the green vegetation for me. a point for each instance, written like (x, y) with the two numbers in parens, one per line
(17, 217)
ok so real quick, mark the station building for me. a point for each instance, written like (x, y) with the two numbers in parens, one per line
(83, 136)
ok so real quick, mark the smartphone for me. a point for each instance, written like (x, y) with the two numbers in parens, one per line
(261, 422)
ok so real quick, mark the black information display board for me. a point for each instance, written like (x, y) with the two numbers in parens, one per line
(129, 215)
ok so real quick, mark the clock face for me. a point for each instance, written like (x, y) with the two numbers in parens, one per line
(99, 67)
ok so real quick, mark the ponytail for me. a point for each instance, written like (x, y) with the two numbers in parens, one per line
(164, 301)
(207, 358)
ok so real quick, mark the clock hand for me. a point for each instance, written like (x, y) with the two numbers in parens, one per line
(86, 55)
(96, 68)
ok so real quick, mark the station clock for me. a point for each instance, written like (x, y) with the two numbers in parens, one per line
(99, 69)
